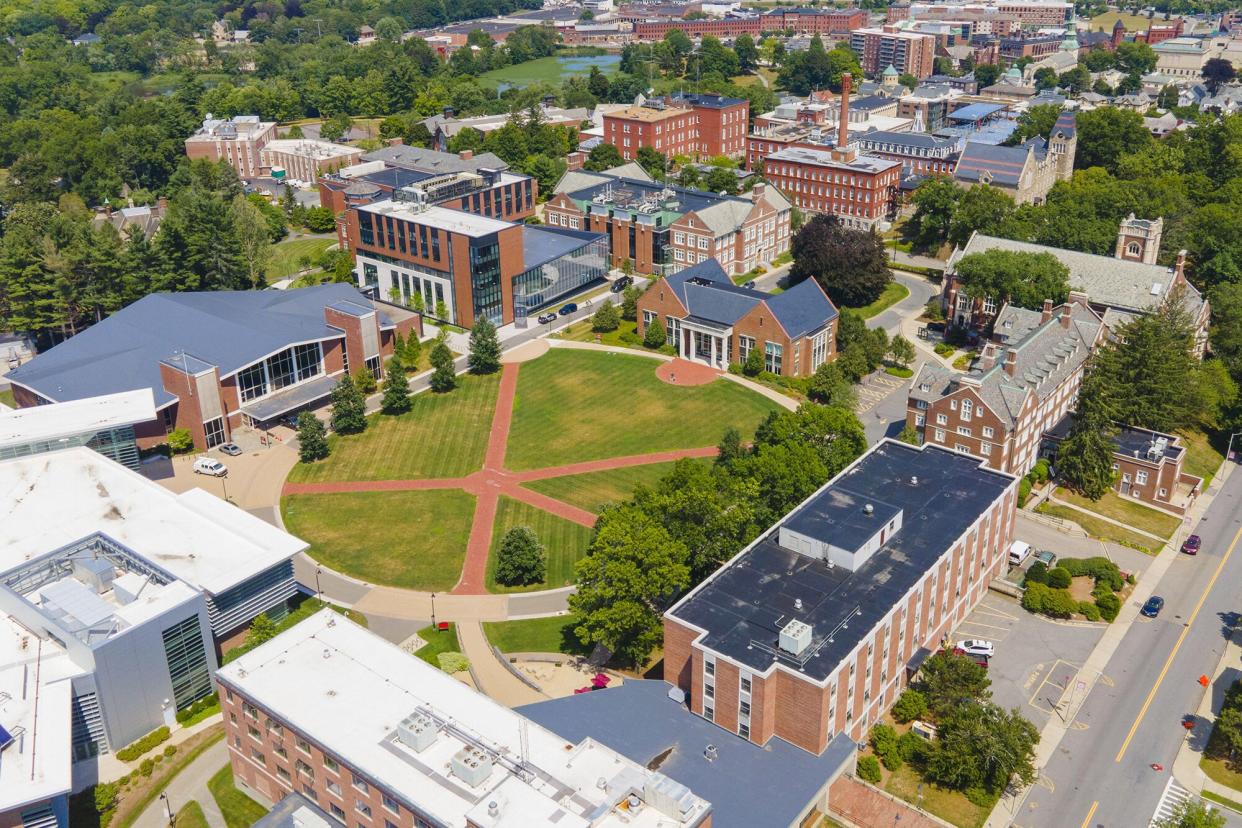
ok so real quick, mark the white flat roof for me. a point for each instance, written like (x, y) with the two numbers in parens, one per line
(49, 422)
(454, 221)
(50, 500)
(347, 689)
(37, 766)
(309, 148)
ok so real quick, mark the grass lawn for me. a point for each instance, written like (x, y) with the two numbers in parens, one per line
(893, 293)
(951, 806)
(239, 810)
(1220, 800)
(1127, 511)
(1202, 458)
(191, 816)
(6, 397)
(437, 642)
(535, 635)
(591, 491)
(1218, 770)
(1101, 529)
(581, 332)
(564, 542)
(587, 405)
(1132, 22)
(415, 540)
(442, 435)
(286, 256)
(550, 70)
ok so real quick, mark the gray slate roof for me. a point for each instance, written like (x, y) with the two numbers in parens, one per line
(228, 329)
(709, 295)
(1003, 164)
(418, 158)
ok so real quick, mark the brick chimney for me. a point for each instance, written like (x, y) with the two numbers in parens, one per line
(988, 358)
(1179, 266)
(1011, 362)
(756, 193)
(1078, 297)
(843, 127)
(1067, 315)
(1047, 314)
(466, 155)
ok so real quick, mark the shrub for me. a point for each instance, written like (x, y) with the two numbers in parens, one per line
(629, 338)
(132, 752)
(943, 349)
(892, 761)
(1034, 597)
(1089, 610)
(1059, 578)
(753, 365)
(147, 767)
(1041, 472)
(180, 441)
(1059, 604)
(910, 706)
(655, 335)
(911, 746)
(365, 382)
(453, 662)
(607, 318)
(979, 797)
(883, 739)
(1024, 491)
(869, 769)
(171, 750)
(1037, 573)
(105, 795)
(1109, 606)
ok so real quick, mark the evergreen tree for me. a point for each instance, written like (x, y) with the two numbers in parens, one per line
(396, 388)
(444, 378)
(607, 318)
(629, 303)
(484, 356)
(412, 352)
(521, 560)
(1085, 456)
(312, 438)
(655, 335)
(349, 408)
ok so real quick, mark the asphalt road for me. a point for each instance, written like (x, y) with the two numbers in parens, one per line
(1101, 775)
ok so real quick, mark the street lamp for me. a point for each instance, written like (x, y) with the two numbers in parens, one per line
(1229, 450)
(433, 610)
(318, 589)
(168, 807)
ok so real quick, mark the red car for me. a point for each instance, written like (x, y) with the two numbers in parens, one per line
(1191, 545)
(981, 660)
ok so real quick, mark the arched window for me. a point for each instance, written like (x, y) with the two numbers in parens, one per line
(1133, 249)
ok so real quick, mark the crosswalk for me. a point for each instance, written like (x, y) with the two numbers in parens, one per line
(1173, 796)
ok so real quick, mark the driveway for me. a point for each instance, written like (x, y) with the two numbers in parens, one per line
(253, 482)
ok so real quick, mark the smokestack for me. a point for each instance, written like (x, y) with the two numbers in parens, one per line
(844, 126)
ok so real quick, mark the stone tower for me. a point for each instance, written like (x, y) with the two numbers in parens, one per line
(1138, 240)
(1063, 143)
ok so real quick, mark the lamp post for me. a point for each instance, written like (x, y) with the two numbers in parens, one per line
(168, 807)
(318, 589)
(433, 610)
(1229, 450)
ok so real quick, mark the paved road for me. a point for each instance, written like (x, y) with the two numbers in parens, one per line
(190, 783)
(1101, 775)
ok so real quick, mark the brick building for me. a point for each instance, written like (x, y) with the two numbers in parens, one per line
(419, 749)
(305, 159)
(660, 228)
(709, 319)
(237, 141)
(802, 21)
(858, 189)
(1026, 12)
(815, 628)
(1022, 384)
(907, 52)
(700, 126)
(220, 360)
(918, 153)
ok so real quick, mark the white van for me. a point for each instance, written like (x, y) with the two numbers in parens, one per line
(1018, 552)
(210, 466)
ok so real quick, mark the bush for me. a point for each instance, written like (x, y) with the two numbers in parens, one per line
(1089, 610)
(892, 761)
(979, 797)
(1060, 604)
(365, 382)
(1034, 597)
(1059, 578)
(607, 318)
(147, 767)
(180, 441)
(1024, 491)
(911, 746)
(1040, 473)
(1109, 606)
(453, 662)
(943, 349)
(132, 752)
(170, 751)
(753, 365)
(1037, 573)
(629, 338)
(655, 335)
(910, 706)
(883, 739)
(105, 795)
(869, 769)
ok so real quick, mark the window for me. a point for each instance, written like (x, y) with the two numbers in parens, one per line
(187, 662)
(920, 420)
(390, 804)
(649, 319)
(309, 790)
(941, 419)
(744, 708)
(745, 684)
(772, 357)
(284, 775)
(337, 811)
(819, 349)
(361, 784)
(254, 733)
(1140, 478)
(330, 764)
(709, 667)
(709, 691)
(362, 808)
(334, 787)
(743, 731)
(940, 435)
(985, 449)
(213, 431)
(702, 243)
(281, 752)
(679, 238)
(967, 406)
(257, 755)
(709, 713)
(987, 431)
(303, 746)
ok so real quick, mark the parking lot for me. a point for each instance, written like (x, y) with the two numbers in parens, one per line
(875, 388)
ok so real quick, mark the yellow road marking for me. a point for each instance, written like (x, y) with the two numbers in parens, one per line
(1090, 814)
(1181, 638)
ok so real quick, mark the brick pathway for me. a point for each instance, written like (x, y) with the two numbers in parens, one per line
(493, 480)
(861, 804)
(686, 372)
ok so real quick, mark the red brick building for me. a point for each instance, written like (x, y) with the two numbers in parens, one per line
(237, 141)
(815, 628)
(907, 52)
(700, 126)
(802, 21)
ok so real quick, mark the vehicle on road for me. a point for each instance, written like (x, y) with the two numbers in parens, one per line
(1153, 606)
(621, 283)
(981, 660)
(1046, 558)
(1019, 551)
(231, 449)
(749, 285)
(1191, 545)
(567, 309)
(210, 466)
(977, 647)
(545, 318)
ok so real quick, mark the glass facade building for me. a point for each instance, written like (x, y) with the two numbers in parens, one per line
(549, 282)
(117, 444)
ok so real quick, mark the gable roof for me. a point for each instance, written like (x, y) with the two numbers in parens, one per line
(418, 158)
(1004, 165)
(707, 293)
(803, 309)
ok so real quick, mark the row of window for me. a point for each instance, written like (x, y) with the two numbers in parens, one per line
(290, 366)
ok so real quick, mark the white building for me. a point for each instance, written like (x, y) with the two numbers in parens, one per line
(105, 424)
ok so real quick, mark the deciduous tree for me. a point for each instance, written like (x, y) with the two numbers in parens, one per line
(851, 265)
(1023, 279)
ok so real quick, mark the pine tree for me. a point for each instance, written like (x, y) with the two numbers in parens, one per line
(396, 388)
(349, 409)
(521, 560)
(484, 357)
(1085, 456)
(412, 352)
(444, 379)
(312, 438)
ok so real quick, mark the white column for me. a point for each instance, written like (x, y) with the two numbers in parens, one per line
(714, 338)
(694, 346)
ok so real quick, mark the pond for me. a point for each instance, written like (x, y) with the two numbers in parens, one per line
(550, 70)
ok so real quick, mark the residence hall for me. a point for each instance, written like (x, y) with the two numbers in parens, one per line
(1147, 465)
(698, 126)
(660, 228)
(236, 141)
(909, 53)
(217, 361)
(709, 319)
(1024, 381)
(125, 589)
(803, 21)
(814, 629)
(1120, 287)
(373, 735)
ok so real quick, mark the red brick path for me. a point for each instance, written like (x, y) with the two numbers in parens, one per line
(685, 372)
(488, 484)
(862, 804)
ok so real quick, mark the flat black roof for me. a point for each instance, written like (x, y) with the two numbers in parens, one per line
(1128, 440)
(746, 603)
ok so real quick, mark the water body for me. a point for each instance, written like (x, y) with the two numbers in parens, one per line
(553, 70)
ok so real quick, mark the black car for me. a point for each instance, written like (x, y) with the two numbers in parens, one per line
(1153, 606)
(545, 318)
(621, 283)
(231, 449)
(750, 285)
(567, 309)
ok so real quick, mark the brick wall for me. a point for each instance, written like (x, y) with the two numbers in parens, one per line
(677, 657)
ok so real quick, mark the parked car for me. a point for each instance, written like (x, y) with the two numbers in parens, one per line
(567, 309)
(981, 660)
(545, 318)
(977, 646)
(1153, 606)
(749, 285)
(1019, 551)
(210, 466)
(1046, 558)
(1191, 545)
(621, 283)
(231, 449)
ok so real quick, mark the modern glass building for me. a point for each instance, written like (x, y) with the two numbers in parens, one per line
(105, 424)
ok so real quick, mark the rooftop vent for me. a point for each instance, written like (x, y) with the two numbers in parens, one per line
(709, 753)
(868, 509)
(914, 480)
(418, 731)
(471, 765)
(795, 637)
(493, 809)
(797, 603)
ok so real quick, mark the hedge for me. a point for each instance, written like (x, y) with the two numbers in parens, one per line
(132, 752)
(869, 769)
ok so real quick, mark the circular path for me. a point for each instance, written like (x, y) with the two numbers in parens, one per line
(684, 372)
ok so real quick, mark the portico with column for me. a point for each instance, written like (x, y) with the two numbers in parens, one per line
(703, 341)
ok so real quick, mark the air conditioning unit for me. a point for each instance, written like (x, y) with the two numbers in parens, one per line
(471, 765)
(795, 637)
(418, 731)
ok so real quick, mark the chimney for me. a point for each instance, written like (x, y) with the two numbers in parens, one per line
(396, 142)
(1067, 315)
(1011, 362)
(162, 203)
(988, 358)
(466, 155)
(843, 126)
(1078, 297)
(1179, 266)
(756, 193)
(1047, 314)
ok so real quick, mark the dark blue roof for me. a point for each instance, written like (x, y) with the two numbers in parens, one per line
(395, 177)
(1067, 124)
(710, 295)
(713, 101)
(541, 245)
(1003, 164)
(975, 112)
(746, 784)
(228, 329)
(870, 102)
(803, 309)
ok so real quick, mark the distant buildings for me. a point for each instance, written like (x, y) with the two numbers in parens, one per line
(652, 25)
(445, 126)
(699, 126)
(304, 159)
(250, 146)
(1026, 12)
(907, 52)
(1026, 172)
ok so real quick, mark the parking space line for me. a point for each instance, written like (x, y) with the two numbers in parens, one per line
(988, 626)
(985, 607)
(1050, 679)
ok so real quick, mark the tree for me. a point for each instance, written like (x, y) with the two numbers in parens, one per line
(1075, 80)
(851, 265)
(901, 350)
(981, 209)
(1192, 813)
(655, 335)
(950, 681)
(910, 705)
(1085, 456)
(1021, 278)
(632, 570)
(829, 386)
(629, 303)
(907, 80)
(180, 441)
(396, 398)
(484, 355)
(254, 239)
(935, 202)
(349, 408)
(910, 435)
(986, 74)
(1217, 72)
(603, 157)
(312, 438)
(262, 629)
(746, 51)
(365, 381)
(1168, 97)
(721, 180)
(521, 560)
(730, 447)
(1106, 134)
(443, 378)
(653, 161)
(752, 366)
(1228, 726)
(607, 318)
(320, 220)
(982, 745)
(1037, 121)
(1135, 58)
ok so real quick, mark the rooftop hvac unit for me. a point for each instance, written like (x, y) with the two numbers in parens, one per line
(795, 637)
(471, 765)
(669, 797)
(418, 731)
(96, 573)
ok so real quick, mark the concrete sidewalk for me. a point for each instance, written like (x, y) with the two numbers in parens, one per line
(492, 676)
(1186, 769)
(190, 783)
